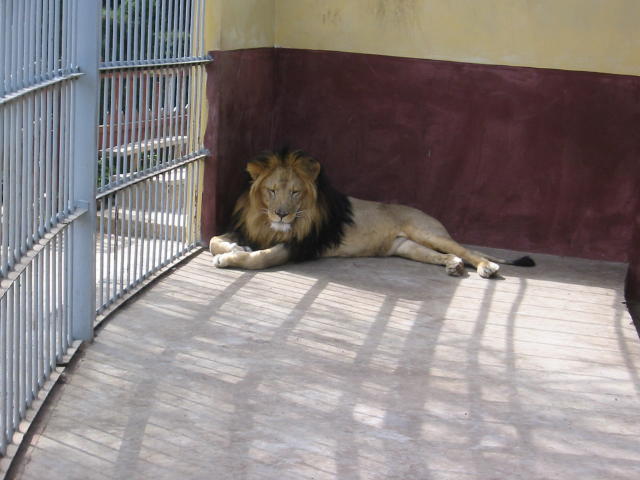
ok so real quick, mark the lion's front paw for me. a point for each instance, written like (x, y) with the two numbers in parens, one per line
(454, 266)
(234, 247)
(230, 259)
(219, 261)
(487, 269)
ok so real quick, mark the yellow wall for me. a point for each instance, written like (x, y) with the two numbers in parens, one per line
(593, 35)
(236, 24)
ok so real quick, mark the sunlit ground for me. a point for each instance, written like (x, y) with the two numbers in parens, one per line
(355, 369)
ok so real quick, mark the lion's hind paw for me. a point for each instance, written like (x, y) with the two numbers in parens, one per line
(454, 266)
(488, 269)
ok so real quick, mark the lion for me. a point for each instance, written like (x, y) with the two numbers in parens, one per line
(291, 213)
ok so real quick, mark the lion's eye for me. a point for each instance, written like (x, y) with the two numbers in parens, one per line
(295, 193)
(272, 192)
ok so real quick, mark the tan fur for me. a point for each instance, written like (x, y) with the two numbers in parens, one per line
(378, 230)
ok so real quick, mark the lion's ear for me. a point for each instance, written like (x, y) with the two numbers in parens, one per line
(309, 166)
(257, 166)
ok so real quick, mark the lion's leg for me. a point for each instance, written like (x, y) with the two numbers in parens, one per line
(414, 251)
(484, 267)
(226, 243)
(269, 257)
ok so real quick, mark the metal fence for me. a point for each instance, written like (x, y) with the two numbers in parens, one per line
(149, 138)
(100, 160)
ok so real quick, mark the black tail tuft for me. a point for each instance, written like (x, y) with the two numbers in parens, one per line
(526, 261)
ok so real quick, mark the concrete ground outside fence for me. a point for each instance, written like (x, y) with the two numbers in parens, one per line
(355, 369)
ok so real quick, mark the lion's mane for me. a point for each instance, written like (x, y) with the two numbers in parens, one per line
(327, 211)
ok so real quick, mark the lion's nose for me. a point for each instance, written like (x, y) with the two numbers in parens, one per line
(281, 212)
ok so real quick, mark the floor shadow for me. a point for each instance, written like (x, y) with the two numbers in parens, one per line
(355, 369)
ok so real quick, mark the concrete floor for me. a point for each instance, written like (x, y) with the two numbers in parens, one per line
(355, 369)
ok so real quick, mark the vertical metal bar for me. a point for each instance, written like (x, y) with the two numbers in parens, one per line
(48, 159)
(163, 28)
(113, 112)
(188, 41)
(191, 186)
(21, 345)
(129, 31)
(126, 159)
(129, 237)
(119, 99)
(40, 296)
(181, 30)
(163, 219)
(172, 23)
(170, 187)
(104, 130)
(55, 174)
(37, 321)
(100, 256)
(140, 30)
(172, 224)
(136, 252)
(143, 227)
(67, 293)
(42, 141)
(123, 214)
(107, 279)
(46, 309)
(149, 224)
(3, 373)
(53, 308)
(56, 37)
(84, 149)
(116, 242)
(108, 13)
(150, 41)
(68, 206)
(68, 283)
(11, 187)
(28, 371)
(29, 131)
(21, 205)
(152, 124)
(10, 351)
(59, 290)
(6, 191)
(154, 258)
(121, 55)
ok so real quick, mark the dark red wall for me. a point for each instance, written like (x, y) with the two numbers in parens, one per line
(530, 159)
(633, 275)
(241, 94)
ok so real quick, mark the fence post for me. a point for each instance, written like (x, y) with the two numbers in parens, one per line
(85, 120)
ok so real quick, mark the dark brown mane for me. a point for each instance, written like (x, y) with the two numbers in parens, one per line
(328, 211)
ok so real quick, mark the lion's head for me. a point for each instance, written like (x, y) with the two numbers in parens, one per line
(290, 201)
(282, 202)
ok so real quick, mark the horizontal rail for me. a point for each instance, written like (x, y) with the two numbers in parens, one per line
(66, 76)
(142, 176)
(27, 258)
(142, 146)
(154, 64)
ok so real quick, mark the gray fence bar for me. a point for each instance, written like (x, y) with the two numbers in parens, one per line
(85, 119)
(41, 181)
(101, 156)
(150, 141)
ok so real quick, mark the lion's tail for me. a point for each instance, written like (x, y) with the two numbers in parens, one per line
(525, 261)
